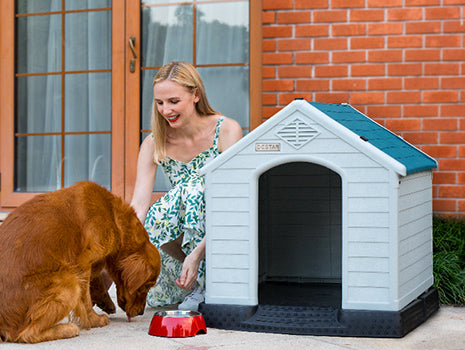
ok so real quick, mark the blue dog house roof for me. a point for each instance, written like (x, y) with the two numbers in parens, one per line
(413, 159)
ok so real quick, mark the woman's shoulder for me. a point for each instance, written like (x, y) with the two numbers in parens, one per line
(230, 133)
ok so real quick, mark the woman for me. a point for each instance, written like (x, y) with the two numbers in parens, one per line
(186, 133)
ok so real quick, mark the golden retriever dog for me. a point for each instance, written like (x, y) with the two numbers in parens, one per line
(52, 246)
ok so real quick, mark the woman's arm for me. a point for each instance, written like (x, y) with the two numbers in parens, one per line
(145, 179)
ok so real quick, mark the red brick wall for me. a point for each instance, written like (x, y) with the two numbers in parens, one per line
(401, 62)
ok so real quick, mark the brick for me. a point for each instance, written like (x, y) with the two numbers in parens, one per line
(311, 57)
(441, 151)
(384, 3)
(269, 45)
(268, 72)
(384, 111)
(367, 70)
(365, 15)
(421, 111)
(348, 84)
(440, 124)
(422, 27)
(277, 31)
(454, 54)
(277, 4)
(312, 85)
(443, 41)
(385, 55)
(422, 55)
(312, 30)
(460, 208)
(329, 16)
(348, 56)
(451, 191)
(278, 85)
(293, 44)
(462, 124)
(366, 98)
(366, 43)
(311, 4)
(440, 96)
(454, 110)
(385, 84)
(293, 17)
(404, 69)
(385, 28)
(403, 124)
(331, 71)
(421, 83)
(268, 112)
(407, 41)
(453, 27)
(452, 138)
(284, 99)
(405, 14)
(441, 205)
(294, 72)
(330, 44)
(269, 99)
(268, 17)
(446, 12)
(277, 58)
(440, 177)
(332, 97)
(441, 69)
(347, 4)
(349, 29)
(403, 97)
(462, 151)
(416, 138)
(422, 2)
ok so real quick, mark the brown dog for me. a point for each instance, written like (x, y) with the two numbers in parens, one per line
(52, 247)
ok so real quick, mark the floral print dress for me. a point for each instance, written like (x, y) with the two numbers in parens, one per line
(180, 210)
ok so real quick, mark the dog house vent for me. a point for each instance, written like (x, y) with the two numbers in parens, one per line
(297, 133)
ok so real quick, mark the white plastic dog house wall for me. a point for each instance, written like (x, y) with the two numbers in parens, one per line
(320, 194)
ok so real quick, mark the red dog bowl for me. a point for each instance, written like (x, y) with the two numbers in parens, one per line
(177, 323)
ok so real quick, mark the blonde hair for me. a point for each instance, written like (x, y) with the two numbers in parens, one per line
(184, 74)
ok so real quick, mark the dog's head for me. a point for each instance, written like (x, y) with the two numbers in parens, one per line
(134, 276)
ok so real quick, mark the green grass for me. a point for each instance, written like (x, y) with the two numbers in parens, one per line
(449, 259)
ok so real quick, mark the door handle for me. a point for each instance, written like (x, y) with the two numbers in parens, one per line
(132, 61)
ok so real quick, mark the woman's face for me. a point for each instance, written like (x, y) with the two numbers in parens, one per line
(174, 102)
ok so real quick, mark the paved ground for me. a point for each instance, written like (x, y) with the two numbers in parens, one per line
(444, 330)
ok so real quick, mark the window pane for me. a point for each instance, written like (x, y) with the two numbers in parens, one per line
(88, 157)
(37, 161)
(155, 2)
(228, 91)
(88, 40)
(88, 102)
(223, 33)
(36, 6)
(38, 106)
(147, 97)
(86, 4)
(167, 35)
(38, 44)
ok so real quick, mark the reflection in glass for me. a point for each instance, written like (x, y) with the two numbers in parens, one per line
(155, 2)
(88, 40)
(38, 44)
(88, 157)
(38, 106)
(222, 33)
(37, 6)
(147, 97)
(88, 102)
(86, 4)
(37, 160)
(167, 34)
(228, 91)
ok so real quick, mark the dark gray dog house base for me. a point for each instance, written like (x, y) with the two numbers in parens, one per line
(325, 321)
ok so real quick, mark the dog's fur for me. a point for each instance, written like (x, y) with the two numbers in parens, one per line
(52, 246)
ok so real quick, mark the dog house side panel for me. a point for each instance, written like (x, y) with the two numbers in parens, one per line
(415, 236)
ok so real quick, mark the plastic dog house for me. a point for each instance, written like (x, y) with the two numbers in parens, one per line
(319, 222)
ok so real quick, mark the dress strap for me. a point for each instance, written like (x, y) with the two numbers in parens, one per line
(217, 130)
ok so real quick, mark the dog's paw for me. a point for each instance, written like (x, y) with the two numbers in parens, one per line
(99, 321)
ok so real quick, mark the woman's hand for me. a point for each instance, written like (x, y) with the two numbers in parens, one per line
(190, 267)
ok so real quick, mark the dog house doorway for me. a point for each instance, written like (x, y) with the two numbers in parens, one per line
(300, 236)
